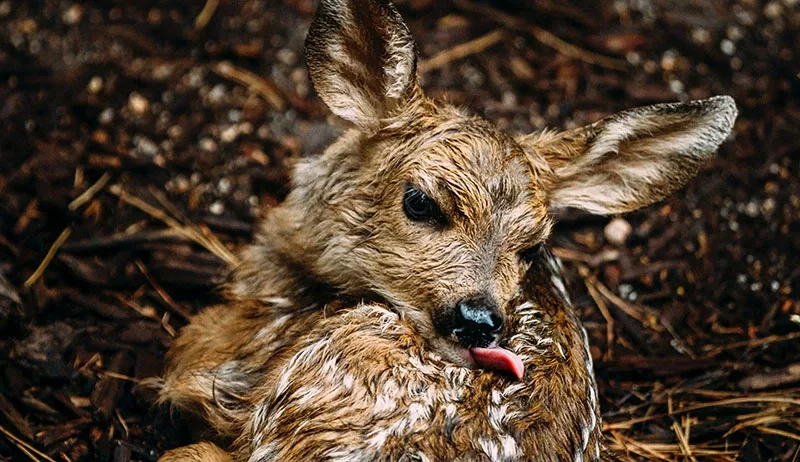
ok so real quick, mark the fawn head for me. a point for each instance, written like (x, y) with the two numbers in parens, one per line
(436, 211)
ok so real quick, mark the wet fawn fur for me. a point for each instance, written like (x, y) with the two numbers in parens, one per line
(327, 348)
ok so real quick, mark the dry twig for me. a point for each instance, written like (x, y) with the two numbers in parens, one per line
(25, 448)
(543, 36)
(205, 239)
(90, 192)
(256, 83)
(591, 286)
(48, 257)
(461, 51)
(202, 19)
(171, 303)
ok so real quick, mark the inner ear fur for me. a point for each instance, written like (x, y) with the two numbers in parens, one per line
(362, 59)
(633, 158)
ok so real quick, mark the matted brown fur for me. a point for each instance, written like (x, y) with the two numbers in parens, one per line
(331, 345)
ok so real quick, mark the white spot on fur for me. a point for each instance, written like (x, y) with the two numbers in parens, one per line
(348, 381)
(377, 439)
(418, 412)
(513, 388)
(263, 453)
(526, 306)
(561, 350)
(306, 354)
(384, 404)
(498, 416)
(558, 283)
(490, 448)
(510, 448)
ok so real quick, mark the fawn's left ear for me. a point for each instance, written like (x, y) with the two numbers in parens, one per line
(633, 158)
(362, 59)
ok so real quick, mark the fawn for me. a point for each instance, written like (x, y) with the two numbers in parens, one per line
(401, 303)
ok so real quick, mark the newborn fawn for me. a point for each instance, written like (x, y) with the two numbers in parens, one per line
(401, 304)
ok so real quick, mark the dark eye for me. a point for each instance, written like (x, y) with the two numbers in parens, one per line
(419, 207)
(530, 254)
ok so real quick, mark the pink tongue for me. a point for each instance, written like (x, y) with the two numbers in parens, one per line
(499, 359)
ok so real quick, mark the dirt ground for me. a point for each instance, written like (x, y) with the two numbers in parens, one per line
(139, 142)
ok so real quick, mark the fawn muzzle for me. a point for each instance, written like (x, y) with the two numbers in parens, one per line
(476, 322)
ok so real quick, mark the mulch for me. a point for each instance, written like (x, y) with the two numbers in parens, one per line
(140, 142)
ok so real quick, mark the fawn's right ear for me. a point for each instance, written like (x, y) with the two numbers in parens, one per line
(362, 59)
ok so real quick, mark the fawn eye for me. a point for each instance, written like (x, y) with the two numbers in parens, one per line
(530, 254)
(419, 207)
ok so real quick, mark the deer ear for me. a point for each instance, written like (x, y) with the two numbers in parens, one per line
(633, 158)
(362, 59)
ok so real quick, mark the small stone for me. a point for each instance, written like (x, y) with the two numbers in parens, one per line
(73, 15)
(181, 184)
(287, 56)
(676, 86)
(95, 85)
(145, 146)
(669, 60)
(626, 291)
(217, 94)
(650, 66)
(175, 131)
(195, 77)
(162, 71)
(741, 278)
(634, 58)
(106, 116)
(735, 32)
(509, 99)
(768, 206)
(138, 103)
(216, 208)
(617, 231)
(701, 36)
(100, 136)
(208, 145)
(752, 208)
(773, 10)
(224, 186)
(149, 311)
(229, 134)
(727, 47)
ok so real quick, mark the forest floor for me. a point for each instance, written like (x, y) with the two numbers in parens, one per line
(140, 141)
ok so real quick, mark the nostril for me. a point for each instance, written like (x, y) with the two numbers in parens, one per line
(479, 316)
(496, 322)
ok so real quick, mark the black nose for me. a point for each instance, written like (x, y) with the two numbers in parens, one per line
(476, 322)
